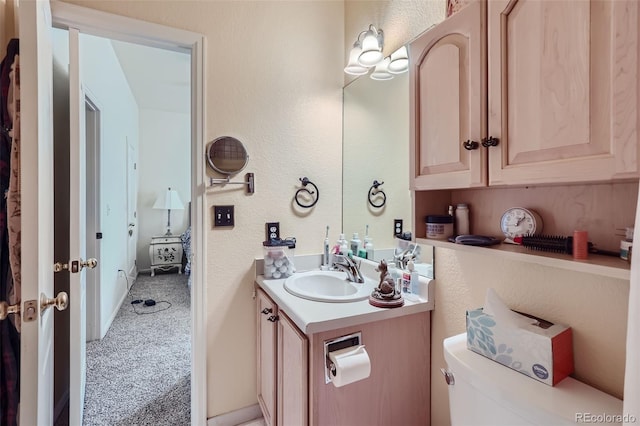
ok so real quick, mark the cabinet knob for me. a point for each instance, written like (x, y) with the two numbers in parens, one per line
(470, 145)
(266, 311)
(273, 318)
(490, 141)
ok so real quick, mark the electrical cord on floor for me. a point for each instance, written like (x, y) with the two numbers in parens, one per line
(148, 303)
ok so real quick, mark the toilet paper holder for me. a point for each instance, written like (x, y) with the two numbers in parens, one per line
(336, 344)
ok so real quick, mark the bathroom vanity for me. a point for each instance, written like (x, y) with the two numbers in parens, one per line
(291, 361)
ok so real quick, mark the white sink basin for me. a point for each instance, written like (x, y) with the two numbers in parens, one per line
(327, 286)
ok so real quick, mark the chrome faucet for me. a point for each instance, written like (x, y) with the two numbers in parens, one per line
(348, 265)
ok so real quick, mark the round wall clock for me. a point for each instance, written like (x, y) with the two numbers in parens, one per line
(518, 221)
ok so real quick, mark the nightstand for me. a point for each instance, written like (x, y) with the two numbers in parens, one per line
(165, 253)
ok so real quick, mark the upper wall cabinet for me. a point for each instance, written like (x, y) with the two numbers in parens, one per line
(527, 92)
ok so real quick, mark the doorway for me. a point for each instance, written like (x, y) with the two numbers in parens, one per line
(192, 44)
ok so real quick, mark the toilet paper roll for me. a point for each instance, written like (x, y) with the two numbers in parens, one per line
(351, 364)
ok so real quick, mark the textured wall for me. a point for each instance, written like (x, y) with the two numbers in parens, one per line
(274, 80)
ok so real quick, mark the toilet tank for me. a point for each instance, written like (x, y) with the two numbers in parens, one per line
(484, 392)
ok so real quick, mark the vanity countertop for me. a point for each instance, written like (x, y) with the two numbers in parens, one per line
(314, 317)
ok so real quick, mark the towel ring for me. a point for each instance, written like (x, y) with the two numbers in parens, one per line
(305, 181)
(373, 192)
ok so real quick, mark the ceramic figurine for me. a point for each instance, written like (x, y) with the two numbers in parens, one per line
(385, 295)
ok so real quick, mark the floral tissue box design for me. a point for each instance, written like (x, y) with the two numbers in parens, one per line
(542, 351)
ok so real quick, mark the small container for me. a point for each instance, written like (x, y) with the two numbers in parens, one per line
(580, 245)
(625, 249)
(355, 244)
(462, 219)
(278, 259)
(439, 227)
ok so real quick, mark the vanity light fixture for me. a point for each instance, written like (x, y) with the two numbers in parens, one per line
(366, 53)
(399, 61)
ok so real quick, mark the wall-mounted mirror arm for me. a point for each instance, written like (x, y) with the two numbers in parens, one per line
(374, 192)
(305, 181)
(249, 181)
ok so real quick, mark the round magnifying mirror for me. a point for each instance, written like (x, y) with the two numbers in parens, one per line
(227, 155)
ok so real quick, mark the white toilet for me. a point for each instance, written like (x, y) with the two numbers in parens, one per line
(484, 392)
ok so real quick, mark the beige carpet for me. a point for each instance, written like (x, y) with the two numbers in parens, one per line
(139, 373)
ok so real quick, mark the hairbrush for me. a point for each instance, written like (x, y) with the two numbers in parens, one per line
(557, 244)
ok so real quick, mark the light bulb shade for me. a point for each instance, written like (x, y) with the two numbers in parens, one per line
(381, 72)
(353, 67)
(399, 62)
(371, 48)
(169, 200)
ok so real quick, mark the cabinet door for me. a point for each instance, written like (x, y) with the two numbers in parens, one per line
(266, 314)
(293, 379)
(448, 102)
(563, 90)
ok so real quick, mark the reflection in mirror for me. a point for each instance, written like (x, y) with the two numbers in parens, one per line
(226, 155)
(376, 147)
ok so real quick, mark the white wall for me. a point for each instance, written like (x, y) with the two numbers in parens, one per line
(164, 158)
(108, 87)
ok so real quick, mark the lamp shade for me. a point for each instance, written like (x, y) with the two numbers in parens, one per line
(353, 67)
(381, 72)
(169, 200)
(371, 48)
(399, 61)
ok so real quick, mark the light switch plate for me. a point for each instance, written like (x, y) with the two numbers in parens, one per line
(223, 216)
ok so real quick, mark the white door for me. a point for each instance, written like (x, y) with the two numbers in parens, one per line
(77, 234)
(132, 207)
(36, 127)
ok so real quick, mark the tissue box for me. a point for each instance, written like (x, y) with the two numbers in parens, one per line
(542, 351)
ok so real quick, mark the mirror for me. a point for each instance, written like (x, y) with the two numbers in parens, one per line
(376, 148)
(226, 155)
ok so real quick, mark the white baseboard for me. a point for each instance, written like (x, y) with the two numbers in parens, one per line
(237, 417)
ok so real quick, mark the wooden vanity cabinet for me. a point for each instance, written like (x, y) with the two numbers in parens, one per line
(282, 378)
(292, 390)
(554, 84)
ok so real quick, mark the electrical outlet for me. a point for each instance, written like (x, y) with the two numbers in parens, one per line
(272, 230)
(223, 216)
(397, 226)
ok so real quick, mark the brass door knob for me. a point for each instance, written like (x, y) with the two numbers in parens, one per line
(61, 301)
(6, 309)
(89, 263)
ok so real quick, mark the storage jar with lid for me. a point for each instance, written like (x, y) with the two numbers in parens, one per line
(439, 227)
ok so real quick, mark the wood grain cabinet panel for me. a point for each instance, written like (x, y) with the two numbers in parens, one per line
(555, 82)
(448, 102)
(266, 356)
(563, 91)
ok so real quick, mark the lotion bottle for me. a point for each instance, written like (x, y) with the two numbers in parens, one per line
(355, 244)
(415, 278)
(342, 243)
